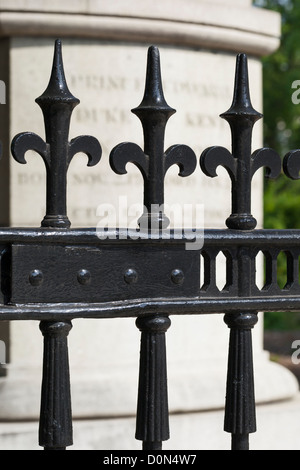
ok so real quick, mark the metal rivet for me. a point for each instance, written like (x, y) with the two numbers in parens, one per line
(131, 276)
(84, 276)
(177, 276)
(36, 277)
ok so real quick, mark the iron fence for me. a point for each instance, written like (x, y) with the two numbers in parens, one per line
(55, 274)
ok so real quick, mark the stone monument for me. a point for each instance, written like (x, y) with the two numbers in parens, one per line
(104, 52)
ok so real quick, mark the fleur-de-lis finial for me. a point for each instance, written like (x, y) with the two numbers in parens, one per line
(153, 162)
(57, 104)
(241, 164)
(291, 164)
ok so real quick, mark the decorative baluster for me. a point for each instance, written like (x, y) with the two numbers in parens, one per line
(152, 410)
(57, 104)
(153, 163)
(55, 431)
(241, 166)
(240, 399)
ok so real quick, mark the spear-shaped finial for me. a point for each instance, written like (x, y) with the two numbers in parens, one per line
(153, 162)
(57, 89)
(57, 104)
(153, 99)
(241, 103)
(241, 164)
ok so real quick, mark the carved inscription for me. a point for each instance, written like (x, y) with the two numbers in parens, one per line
(104, 111)
(118, 115)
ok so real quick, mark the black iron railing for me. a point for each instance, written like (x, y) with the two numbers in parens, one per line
(51, 274)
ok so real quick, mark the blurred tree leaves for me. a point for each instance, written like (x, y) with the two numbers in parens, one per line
(281, 116)
(282, 132)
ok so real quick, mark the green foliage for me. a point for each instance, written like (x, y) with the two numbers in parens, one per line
(282, 132)
(280, 70)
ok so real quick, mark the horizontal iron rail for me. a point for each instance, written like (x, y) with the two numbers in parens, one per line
(202, 303)
(143, 307)
(284, 238)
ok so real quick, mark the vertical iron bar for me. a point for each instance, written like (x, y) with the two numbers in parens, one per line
(57, 104)
(274, 255)
(240, 398)
(55, 429)
(154, 112)
(292, 270)
(152, 420)
(153, 161)
(240, 417)
(241, 165)
(209, 258)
